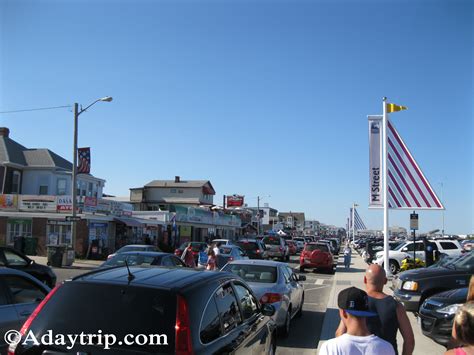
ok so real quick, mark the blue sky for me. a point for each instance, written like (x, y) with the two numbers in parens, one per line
(261, 97)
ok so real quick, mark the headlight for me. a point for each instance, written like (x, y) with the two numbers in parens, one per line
(451, 309)
(410, 285)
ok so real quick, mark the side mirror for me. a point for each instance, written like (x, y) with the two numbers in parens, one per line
(268, 310)
(301, 278)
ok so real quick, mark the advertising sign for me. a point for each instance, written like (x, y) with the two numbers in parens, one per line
(414, 221)
(42, 203)
(235, 201)
(64, 203)
(8, 202)
(375, 161)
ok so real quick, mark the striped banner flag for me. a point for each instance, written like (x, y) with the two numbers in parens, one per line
(408, 188)
(358, 223)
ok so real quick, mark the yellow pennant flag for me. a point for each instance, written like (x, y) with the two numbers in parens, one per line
(394, 108)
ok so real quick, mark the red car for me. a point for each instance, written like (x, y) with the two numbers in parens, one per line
(292, 247)
(317, 256)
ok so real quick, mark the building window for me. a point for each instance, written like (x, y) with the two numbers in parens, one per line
(16, 182)
(58, 233)
(89, 189)
(173, 191)
(180, 191)
(18, 228)
(61, 187)
(43, 190)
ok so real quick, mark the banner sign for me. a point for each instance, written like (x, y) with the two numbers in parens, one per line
(64, 203)
(43, 203)
(235, 201)
(375, 161)
(8, 202)
(84, 160)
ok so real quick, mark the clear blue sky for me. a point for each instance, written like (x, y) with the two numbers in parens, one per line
(260, 97)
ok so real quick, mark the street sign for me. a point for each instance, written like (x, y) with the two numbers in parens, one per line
(414, 221)
(73, 219)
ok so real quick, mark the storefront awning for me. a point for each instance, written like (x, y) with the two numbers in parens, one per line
(131, 222)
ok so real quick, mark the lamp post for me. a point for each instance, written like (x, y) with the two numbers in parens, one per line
(258, 213)
(77, 112)
(354, 205)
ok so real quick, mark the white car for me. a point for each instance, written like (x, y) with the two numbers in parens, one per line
(395, 256)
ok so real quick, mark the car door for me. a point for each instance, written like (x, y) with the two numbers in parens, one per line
(253, 328)
(24, 294)
(295, 289)
(289, 294)
(8, 314)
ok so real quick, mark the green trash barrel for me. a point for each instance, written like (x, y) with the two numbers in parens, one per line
(30, 245)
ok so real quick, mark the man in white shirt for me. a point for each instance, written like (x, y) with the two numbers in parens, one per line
(353, 306)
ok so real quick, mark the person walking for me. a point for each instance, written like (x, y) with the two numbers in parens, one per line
(463, 330)
(211, 260)
(188, 256)
(391, 315)
(347, 256)
(357, 340)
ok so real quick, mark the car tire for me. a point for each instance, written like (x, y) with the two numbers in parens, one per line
(299, 314)
(301, 268)
(285, 330)
(393, 266)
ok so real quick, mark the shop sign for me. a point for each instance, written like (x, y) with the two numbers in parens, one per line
(8, 202)
(64, 203)
(58, 222)
(90, 204)
(127, 209)
(235, 201)
(42, 203)
(104, 206)
(19, 221)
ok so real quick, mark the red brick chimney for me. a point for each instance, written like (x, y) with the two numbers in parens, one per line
(4, 131)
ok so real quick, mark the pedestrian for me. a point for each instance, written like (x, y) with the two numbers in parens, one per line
(357, 340)
(216, 249)
(203, 258)
(188, 256)
(463, 330)
(211, 260)
(391, 315)
(347, 256)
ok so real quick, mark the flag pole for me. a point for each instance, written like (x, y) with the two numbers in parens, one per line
(353, 229)
(385, 189)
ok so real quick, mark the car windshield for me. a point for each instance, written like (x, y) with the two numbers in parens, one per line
(311, 247)
(271, 241)
(463, 263)
(247, 245)
(225, 250)
(399, 246)
(253, 273)
(132, 260)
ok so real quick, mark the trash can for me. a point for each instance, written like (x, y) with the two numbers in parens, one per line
(68, 256)
(55, 255)
(19, 244)
(30, 245)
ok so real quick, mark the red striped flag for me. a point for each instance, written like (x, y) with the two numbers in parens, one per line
(407, 185)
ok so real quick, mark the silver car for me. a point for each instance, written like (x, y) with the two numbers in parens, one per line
(20, 293)
(273, 283)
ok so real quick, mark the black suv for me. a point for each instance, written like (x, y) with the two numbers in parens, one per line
(412, 287)
(198, 312)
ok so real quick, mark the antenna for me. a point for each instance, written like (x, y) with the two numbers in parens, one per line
(130, 275)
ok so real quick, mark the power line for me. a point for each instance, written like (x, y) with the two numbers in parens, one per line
(36, 109)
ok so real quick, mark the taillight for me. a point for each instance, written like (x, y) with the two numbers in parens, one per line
(270, 298)
(31, 318)
(258, 251)
(231, 258)
(183, 343)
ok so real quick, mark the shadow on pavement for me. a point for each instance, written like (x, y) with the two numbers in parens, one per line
(350, 270)
(299, 336)
(331, 313)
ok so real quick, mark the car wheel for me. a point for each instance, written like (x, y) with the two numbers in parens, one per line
(285, 330)
(301, 268)
(300, 311)
(394, 267)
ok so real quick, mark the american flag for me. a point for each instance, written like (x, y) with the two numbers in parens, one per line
(84, 161)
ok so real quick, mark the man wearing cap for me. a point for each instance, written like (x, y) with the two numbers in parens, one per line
(353, 306)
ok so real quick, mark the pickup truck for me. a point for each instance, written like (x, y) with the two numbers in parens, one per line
(412, 287)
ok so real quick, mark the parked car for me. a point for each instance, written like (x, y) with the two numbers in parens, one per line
(437, 314)
(254, 248)
(197, 247)
(229, 253)
(273, 283)
(198, 312)
(144, 258)
(134, 247)
(277, 248)
(412, 287)
(449, 247)
(20, 294)
(292, 247)
(14, 259)
(299, 243)
(219, 242)
(317, 255)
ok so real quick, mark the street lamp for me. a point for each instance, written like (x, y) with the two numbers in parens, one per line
(354, 205)
(77, 112)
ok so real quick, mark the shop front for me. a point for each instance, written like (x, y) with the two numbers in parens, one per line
(18, 227)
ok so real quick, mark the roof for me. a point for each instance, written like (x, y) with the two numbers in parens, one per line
(11, 151)
(159, 277)
(180, 184)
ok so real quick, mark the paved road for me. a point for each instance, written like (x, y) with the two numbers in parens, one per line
(305, 331)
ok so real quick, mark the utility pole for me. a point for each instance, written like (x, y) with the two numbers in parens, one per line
(74, 178)
(258, 215)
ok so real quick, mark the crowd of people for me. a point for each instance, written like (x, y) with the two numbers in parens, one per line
(371, 319)
(207, 259)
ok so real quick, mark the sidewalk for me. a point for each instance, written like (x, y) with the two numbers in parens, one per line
(355, 277)
(78, 264)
